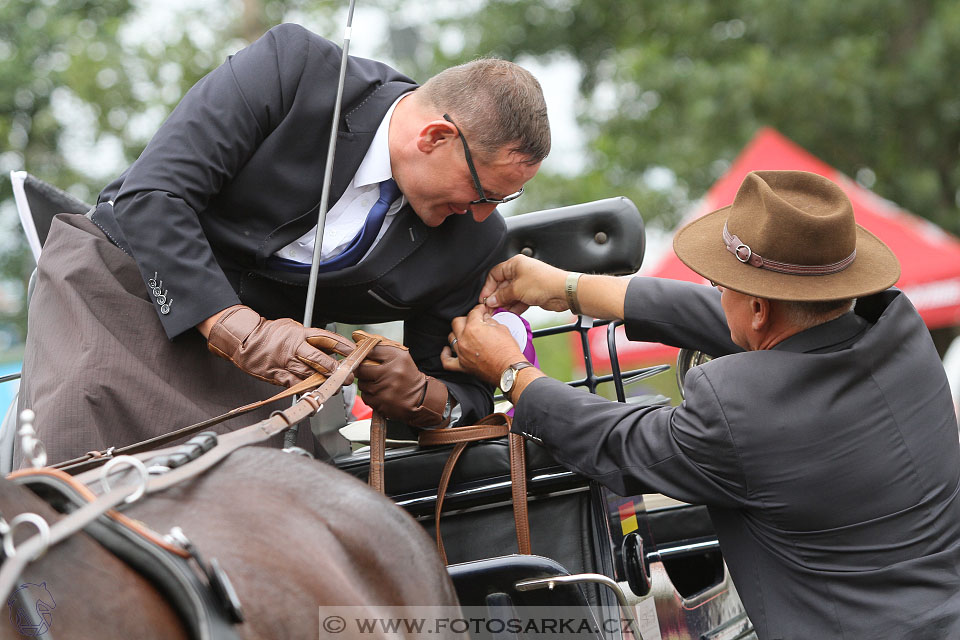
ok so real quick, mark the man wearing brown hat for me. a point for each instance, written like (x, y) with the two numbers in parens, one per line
(824, 441)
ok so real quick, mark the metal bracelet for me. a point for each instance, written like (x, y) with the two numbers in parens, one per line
(570, 290)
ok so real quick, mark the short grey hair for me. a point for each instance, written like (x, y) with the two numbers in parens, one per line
(496, 104)
(810, 314)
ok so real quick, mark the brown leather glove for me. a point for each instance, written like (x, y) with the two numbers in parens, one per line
(282, 352)
(392, 384)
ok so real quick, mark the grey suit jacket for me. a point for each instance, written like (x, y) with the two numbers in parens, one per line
(236, 173)
(830, 464)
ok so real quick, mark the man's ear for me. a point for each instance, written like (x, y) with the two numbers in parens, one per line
(434, 134)
(760, 313)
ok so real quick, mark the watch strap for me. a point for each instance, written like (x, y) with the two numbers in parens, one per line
(516, 366)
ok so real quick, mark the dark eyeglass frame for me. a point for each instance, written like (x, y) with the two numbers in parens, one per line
(473, 172)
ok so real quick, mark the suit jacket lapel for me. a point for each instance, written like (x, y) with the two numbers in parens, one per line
(357, 129)
(358, 126)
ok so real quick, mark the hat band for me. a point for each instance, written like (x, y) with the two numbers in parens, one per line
(746, 255)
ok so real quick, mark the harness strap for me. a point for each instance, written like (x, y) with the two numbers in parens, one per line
(166, 567)
(34, 547)
(496, 425)
(51, 477)
(309, 404)
(94, 458)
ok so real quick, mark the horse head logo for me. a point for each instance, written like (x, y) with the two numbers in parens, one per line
(39, 600)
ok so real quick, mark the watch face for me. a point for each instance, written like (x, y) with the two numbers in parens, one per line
(506, 379)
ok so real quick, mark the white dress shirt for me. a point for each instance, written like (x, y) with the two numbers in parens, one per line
(346, 217)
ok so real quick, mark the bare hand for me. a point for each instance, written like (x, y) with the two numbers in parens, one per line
(522, 282)
(484, 348)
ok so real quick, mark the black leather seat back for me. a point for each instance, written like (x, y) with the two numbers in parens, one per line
(605, 236)
(46, 201)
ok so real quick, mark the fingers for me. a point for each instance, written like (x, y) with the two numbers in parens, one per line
(315, 358)
(478, 314)
(329, 341)
(313, 355)
(285, 378)
(494, 278)
(360, 334)
(500, 288)
(314, 367)
(449, 361)
(369, 371)
(368, 387)
(499, 278)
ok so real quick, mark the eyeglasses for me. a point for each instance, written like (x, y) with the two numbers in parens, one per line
(473, 172)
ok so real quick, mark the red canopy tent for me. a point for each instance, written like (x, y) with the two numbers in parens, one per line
(929, 257)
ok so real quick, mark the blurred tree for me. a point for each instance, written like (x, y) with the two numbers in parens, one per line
(671, 91)
(85, 83)
(42, 46)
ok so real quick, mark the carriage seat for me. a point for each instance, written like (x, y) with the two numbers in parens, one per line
(37, 203)
(604, 236)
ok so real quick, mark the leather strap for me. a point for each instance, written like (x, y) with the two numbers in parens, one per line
(496, 425)
(95, 458)
(309, 404)
(31, 477)
(378, 445)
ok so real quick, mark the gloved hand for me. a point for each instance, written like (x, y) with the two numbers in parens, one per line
(282, 352)
(392, 385)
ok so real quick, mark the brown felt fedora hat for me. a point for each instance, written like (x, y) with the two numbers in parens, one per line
(789, 235)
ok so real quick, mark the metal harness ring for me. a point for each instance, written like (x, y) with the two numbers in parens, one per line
(43, 529)
(131, 462)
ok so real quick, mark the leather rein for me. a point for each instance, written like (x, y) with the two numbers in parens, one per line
(161, 476)
(93, 459)
(492, 427)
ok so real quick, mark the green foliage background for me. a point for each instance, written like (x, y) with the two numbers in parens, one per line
(869, 86)
(669, 92)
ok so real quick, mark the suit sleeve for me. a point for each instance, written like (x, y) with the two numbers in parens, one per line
(204, 143)
(679, 314)
(685, 452)
(426, 335)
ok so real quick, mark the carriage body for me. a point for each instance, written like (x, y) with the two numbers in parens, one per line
(663, 566)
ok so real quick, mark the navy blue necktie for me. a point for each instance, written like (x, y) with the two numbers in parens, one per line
(361, 243)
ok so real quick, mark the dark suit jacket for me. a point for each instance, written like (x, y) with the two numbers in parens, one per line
(236, 173)
(830, 464)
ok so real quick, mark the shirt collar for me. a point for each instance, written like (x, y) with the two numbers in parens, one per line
(834, 335)
(375, 166)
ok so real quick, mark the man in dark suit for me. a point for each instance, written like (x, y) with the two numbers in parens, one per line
(823, 441)
(217, 218)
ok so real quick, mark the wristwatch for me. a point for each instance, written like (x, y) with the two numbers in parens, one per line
(509, 375)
